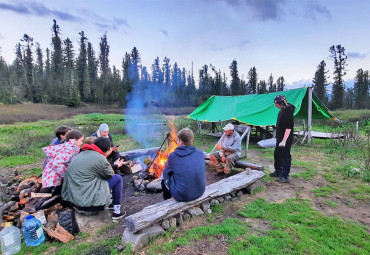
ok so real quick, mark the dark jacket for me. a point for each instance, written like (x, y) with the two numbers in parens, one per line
(285, 120)
(185, 173)
(85, 182)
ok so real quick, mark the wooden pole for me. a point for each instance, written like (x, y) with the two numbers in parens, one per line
(309, 117)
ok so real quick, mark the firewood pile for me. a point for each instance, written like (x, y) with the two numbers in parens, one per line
(23, 197)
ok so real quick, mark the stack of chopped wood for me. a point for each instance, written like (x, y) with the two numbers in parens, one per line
(26, 199)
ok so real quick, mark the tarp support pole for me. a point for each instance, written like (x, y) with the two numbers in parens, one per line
(309, 117)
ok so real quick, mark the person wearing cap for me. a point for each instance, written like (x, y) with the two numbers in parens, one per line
(284, 139)
(230, 148)
(114, 157)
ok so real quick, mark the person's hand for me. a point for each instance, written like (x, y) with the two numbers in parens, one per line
(218, 147)
(282, 143)
(223, 159)
(118, 162)
(114, 148)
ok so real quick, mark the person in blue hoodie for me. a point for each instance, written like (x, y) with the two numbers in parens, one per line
(184, 176)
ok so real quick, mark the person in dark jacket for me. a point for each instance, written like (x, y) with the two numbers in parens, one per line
(114, 157)
(60, 134)
(284, 139)
(89, 180)
(184, 176)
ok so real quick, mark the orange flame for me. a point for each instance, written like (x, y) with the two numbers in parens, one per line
(159, 163)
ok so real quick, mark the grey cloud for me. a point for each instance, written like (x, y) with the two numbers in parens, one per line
(239, 46)
(37, 9)
(104, 23)
(356, 55)
(163, 32)
(262, 10)
(314, 11)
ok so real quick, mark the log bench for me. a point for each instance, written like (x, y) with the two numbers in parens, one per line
(167, 208)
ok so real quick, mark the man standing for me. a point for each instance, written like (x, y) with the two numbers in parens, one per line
(230, 149)
(184, 176)
(284, 139)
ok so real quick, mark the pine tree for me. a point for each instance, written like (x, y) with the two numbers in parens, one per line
(262, 87)
(57, 66)
(339, 56)
(92, 74)
(166, 72)
(235, 81)
(105, 71)
(5, 87)
(361, 89)
(39, 72)
(271, 84)
(31, 91)
(81, 67)
(320, 82)
(252, 80)
(135, 65)
(280, 84)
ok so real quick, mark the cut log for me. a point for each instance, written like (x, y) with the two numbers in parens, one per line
(40, 195)
(171, 207)
(139, 153)
(3, 208)
(245, 164)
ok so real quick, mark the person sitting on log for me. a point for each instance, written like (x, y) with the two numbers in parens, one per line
(90, 179)
(114, 157)
(184, 176)
(57, 159)
(60, 135)
(230, 148)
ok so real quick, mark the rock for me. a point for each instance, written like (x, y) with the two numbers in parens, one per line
(214, 202)
(141, 238)
(186, 216)
(92, 223)
(173, 222)
(234, 198)
(205, 206)
(253, 186)
(228, 197)
(135, 177)
(165, 224)
(139, 184)
(221, 199)
(195, 211)
(154, 186)
(179, 219)
(209, 210)
(239, 194)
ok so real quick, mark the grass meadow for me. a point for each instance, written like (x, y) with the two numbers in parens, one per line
(293, 226)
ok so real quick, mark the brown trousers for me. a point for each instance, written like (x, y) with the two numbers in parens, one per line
(229, 162)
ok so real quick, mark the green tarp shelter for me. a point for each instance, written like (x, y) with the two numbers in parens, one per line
(258, 110)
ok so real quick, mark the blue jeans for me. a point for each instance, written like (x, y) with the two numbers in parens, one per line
(282, 161)
(116, 186)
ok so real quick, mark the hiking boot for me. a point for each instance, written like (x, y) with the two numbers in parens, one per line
(219, 173)
(117, 216)
(283, 180)
(275, 174)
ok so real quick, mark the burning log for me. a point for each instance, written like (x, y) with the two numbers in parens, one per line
(171, 207)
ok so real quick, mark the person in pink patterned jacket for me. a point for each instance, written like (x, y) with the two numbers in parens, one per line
(57, 159)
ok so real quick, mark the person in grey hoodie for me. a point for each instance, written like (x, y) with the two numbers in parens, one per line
(230, 149)
(184, 176)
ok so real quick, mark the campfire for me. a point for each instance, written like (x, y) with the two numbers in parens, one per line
(157, 166)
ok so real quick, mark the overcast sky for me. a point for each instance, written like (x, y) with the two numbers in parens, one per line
(284, 37)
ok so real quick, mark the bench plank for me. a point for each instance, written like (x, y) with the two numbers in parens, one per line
(156, 212)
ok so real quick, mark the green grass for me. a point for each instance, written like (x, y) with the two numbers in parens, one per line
(332, 204)
(324, 191)
(295, 228)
